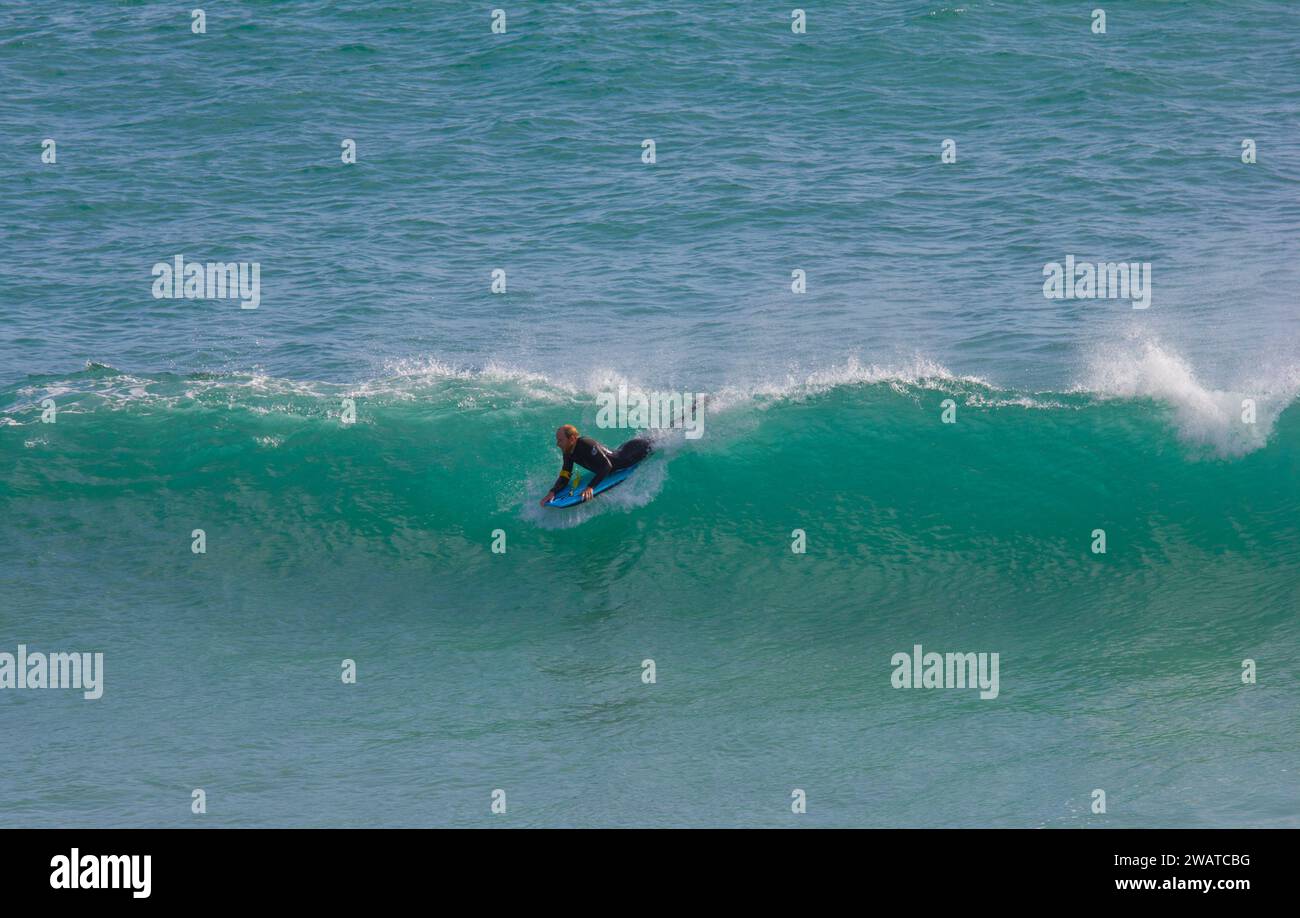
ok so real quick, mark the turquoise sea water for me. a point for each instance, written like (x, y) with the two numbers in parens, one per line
(522, 671)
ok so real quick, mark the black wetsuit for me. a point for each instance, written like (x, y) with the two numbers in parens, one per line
(598, 458)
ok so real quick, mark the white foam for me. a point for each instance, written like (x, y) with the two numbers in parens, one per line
(404, 377)
(920, 372)
(1202, 416)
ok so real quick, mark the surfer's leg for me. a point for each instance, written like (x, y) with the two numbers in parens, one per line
(631, 452)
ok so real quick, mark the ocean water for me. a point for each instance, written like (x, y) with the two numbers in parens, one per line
(523, 671)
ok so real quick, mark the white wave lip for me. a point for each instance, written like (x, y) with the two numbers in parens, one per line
(1202, 416)
(919, 373)
(431, 371)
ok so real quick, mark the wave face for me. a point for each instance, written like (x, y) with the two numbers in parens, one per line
(372, 541)
(436, 446)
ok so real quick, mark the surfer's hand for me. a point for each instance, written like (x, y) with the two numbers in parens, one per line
(586, 495)
(547, 499)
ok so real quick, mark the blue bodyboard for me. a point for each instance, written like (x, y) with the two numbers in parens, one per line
(572, 495)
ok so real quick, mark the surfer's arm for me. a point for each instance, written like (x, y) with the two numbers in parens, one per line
(563, 480)
(604, 467)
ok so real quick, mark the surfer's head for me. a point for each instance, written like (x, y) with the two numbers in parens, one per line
(566, 436)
